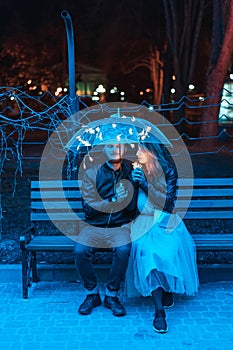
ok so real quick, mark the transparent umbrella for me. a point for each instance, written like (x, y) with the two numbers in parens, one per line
(117, 130)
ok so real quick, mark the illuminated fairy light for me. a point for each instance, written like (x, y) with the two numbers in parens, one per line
(90, 131)
(101, 89)
(144, 134)
(21, 113)
(83, 142)
(58, 91)
(114, 90)
(86, 138)
(136, 165)
(191, 87)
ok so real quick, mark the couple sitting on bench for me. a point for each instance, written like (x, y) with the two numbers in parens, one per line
(128, 207)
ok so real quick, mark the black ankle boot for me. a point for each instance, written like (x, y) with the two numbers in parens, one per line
(167, 300)
(159, 323)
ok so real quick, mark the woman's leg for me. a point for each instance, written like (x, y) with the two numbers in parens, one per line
(157, 295)
(159, 323)
(167, 300)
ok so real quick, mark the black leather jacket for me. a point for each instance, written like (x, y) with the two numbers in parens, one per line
(162, 198)
(99, 188)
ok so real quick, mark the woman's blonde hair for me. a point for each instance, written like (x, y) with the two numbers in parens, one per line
(154, 168)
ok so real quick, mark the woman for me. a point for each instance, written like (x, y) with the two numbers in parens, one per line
(163, 255)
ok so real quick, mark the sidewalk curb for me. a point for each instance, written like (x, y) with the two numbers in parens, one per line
(48, 272)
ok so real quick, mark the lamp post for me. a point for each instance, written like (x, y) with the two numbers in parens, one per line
(71, 60)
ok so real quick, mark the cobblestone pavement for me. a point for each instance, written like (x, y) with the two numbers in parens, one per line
(49, 320)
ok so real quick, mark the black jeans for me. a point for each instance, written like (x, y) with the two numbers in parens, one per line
(118, 240)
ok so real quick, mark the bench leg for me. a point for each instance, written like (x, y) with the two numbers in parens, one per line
(34, 268)
(25, 273)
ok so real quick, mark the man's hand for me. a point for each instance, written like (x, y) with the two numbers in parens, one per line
(121, 193)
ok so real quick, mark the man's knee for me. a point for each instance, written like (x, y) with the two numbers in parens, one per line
(123, 250)
(81, 250)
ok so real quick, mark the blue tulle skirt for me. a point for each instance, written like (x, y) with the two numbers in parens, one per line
(163, 255)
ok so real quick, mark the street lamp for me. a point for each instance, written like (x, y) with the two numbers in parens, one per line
(71, 60)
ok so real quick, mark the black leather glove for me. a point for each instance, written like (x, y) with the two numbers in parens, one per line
(139, 176)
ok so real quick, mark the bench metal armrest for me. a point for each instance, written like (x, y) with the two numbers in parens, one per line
(26, 236)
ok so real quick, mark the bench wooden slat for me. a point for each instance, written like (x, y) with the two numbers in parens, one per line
(206, 182)
(213, 241)
(56, 205)
(73, 217)
(188, 215)
(205, 203)
(55, 184)
(215, 237)
(208, 214)
(184, 181)
(65, 243)
(207, 192)
(55, 194)
(60, 216)
(51, 243)
(57, 216)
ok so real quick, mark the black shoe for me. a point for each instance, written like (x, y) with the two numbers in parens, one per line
(159, 323)
(115, 305)
(91, 301)
(167, 300)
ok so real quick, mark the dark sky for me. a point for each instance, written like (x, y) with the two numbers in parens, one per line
(94, 19)
(104, 30)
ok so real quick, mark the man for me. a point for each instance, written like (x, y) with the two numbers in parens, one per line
(109, 204)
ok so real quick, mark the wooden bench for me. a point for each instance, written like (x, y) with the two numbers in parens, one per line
(210, 199)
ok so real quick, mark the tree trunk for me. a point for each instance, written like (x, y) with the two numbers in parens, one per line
(183, 24)
(217, 76)
(156, 69)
